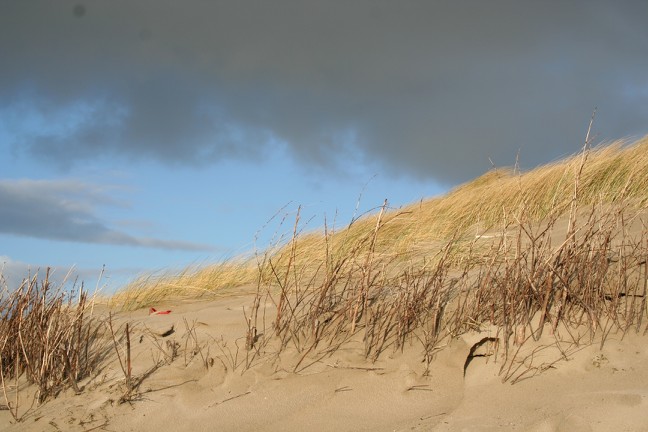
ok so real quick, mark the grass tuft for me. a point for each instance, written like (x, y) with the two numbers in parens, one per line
(47, 335)
(613, 174)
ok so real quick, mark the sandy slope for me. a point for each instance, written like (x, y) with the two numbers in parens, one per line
(595, 390)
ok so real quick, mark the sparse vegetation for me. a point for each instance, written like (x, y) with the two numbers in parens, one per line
(581, 284)
(528, 273)
(192, 282)
(48, 336)
(613, 175)
(556, 256)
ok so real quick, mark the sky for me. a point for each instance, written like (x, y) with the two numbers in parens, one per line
(140, 136)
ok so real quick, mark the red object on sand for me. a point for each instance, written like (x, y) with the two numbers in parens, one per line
(153, 311)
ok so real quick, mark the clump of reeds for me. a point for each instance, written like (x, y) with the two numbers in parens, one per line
(561, 247)
(47, 335)
(572, 260)
(322, 306)
(591, 278)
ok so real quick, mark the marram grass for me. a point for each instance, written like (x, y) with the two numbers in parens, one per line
(612, 174)
(191, 282)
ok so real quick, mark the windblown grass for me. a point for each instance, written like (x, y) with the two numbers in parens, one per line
(565, 253)
(191, 282)
(579, 275)
(613, 174)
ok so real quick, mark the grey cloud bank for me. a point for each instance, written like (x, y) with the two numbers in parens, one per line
(66, 210)
(424, 89)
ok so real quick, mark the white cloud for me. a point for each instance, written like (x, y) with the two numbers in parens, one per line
(13, 273)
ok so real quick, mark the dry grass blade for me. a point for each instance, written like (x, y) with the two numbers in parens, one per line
(528, 275)
(606, 174)
(48, 336)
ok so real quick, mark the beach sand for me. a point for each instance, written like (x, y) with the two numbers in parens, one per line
(209, 386)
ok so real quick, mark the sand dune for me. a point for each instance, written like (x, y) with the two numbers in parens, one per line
(592, 390)
(535, 323)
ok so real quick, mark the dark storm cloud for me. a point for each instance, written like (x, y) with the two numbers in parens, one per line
(66, 210)
(428, 89)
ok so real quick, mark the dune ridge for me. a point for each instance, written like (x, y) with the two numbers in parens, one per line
(515, 302)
